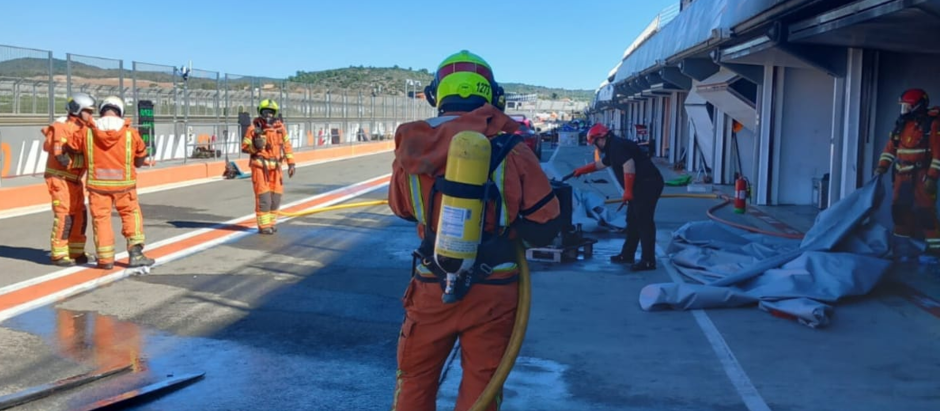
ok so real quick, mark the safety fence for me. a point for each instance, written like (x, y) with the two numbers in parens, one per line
(189, 114)
(184, 113)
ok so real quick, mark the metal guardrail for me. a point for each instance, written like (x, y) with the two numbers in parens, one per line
(659, 21)
(34, 83)
(191, 106)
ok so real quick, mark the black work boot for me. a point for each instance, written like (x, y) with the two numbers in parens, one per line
(137, 257)
(63, 262)
(644, 265)
(81, 260)
(622, 259)
(266, 231)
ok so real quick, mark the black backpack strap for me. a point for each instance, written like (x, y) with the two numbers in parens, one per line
(502, 146)
(926, 123)
(459, 190)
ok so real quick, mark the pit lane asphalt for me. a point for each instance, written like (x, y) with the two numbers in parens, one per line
(308, 319)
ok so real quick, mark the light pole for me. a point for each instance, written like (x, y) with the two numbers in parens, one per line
(384, 109)
(329, 115)
(360, 117)
(183, 73)
(408, 82)
(414, 102)
(372, 129)
(329, 108)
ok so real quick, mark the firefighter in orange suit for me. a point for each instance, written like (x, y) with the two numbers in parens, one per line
(464, 92)
(64, 172)
(114, 151)
(268, 143)
(914, 147)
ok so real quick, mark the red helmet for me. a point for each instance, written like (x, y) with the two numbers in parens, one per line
(916, 99)
(598, 130)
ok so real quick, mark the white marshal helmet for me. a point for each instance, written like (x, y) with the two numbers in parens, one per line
(112, 102)
(79, 102)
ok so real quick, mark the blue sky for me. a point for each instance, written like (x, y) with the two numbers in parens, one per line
(571, 44)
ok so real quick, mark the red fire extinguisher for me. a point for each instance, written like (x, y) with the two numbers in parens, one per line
(741, 191)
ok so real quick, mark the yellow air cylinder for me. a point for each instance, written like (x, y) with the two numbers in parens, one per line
(460, 222)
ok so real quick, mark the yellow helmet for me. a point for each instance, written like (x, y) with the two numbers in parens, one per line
(464, 81)
(268, 104)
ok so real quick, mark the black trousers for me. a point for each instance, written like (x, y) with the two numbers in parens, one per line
(641, 224)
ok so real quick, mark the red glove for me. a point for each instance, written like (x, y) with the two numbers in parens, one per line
(586, 169)
(628, 180)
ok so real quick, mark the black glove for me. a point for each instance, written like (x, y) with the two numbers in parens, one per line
(290, 170)
(63, 159)
(259, 142)
(930, 185)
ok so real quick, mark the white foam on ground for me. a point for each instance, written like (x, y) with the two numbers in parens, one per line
(533, 384)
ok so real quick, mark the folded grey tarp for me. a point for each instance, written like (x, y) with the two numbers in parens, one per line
(846, 253)
(588, 209)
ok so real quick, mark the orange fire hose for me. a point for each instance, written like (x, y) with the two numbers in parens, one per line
(525, 294)
(508, 360)
(711, 214)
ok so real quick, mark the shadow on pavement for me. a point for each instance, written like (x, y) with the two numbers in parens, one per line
(202, 224)
(25, 254)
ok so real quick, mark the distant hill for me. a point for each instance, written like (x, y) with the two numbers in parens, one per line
(391, 80)
(38, 69)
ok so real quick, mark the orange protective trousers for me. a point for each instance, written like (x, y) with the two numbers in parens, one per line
(132, 221)
(269, 187)
(69, 219)
(914, 210)
(483, 320)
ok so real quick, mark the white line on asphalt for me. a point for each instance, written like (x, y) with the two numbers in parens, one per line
(742, 383)
(166, 259)
(19, 212)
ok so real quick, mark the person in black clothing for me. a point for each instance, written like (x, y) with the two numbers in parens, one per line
(642, 186)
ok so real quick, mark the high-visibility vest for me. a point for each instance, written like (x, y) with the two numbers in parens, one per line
(417, 196)
(111, 179)
(417, 193)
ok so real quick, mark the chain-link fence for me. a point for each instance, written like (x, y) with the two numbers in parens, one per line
(185, 114)
(156, 83)
(26, 82)
(201, 123)
(203, 91)
(97, 76)
(243, 93)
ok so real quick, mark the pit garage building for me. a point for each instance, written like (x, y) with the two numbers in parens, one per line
(815, 85)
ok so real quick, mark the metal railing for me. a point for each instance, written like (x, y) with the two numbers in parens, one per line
(195, 111)
(659, 21)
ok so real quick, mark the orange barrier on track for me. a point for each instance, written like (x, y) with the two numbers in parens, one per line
(36, 194)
